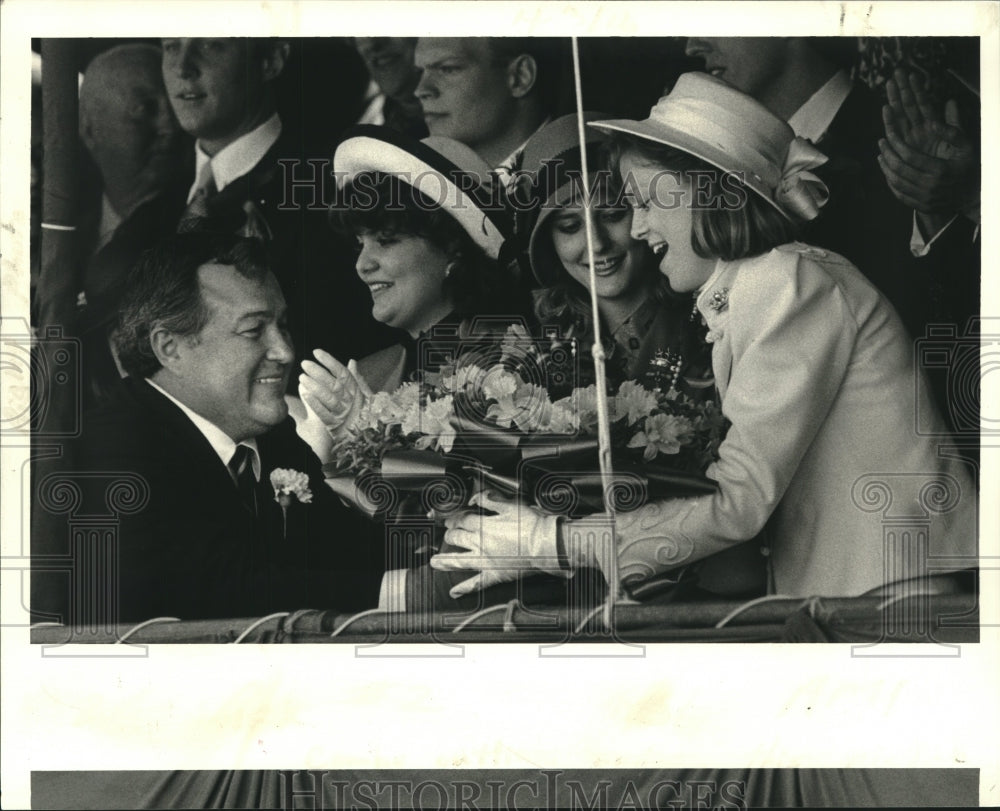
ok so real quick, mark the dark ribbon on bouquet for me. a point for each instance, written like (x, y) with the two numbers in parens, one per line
(559, 474)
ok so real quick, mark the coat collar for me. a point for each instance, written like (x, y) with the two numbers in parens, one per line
(713, 298)
(178, 430)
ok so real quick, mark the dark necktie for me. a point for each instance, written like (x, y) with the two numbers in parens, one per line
(198, 207)
(241, 466)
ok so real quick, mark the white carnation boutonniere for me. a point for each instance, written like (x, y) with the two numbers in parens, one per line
(289, 484)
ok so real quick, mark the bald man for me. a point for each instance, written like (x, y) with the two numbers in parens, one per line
(129, 129)
(138, 149)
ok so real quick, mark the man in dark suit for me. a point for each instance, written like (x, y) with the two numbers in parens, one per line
(389, 99)
(130, 133)
(250, 176)
(202, 422)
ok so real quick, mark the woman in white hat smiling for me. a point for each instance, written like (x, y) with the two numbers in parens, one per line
(814, 368)
(429, 234)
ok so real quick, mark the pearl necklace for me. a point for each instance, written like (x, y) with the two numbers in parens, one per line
(663, 363)
(667, 361)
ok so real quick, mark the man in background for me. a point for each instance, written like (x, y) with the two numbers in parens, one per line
(130, 133)
(249, 178)
(390, 101)
(490, 93)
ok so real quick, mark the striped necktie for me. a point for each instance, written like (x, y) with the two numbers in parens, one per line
(198, 207)
(241, 466)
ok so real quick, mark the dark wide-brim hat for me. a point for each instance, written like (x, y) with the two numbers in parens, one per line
(551, 177)
(707, 118)
(448, 173)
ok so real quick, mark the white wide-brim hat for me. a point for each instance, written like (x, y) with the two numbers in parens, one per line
(445, 171)
(713, 121)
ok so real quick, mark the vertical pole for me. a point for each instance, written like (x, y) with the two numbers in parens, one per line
(603, 422)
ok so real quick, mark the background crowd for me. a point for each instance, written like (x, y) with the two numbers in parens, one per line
(908, 220)
(191, 136)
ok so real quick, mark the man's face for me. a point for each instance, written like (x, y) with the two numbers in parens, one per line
(235, 371)
(133, 126)
(749, 64)
(463, 90)
(214, 85)
(389, 61)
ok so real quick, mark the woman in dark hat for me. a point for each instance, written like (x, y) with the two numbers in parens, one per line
(646, 327)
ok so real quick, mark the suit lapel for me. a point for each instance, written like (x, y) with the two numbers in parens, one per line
(251, 186)
(204, 463)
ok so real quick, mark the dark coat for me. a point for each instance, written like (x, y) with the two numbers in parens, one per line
(104, 281)
(863, 221)
(194, 551)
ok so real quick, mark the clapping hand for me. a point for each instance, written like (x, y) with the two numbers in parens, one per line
(930, 164)
(519, 538)
(333, 396)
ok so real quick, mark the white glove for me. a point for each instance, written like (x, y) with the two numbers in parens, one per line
(518, 540)
(332, 393)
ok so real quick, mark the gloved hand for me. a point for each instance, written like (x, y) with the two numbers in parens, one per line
(332, 394)
(518, 539)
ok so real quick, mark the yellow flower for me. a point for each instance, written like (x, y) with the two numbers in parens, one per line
(435, 425)
(635, 400)
(500, 383)
(528, 408)
(664, 433)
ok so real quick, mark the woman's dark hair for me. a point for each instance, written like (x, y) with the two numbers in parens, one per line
(163, 290)
(382, 203)
(749, 228)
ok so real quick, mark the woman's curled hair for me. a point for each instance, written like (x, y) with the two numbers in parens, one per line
(377, 202)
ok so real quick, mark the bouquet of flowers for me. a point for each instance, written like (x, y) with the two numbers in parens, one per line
(470, 410)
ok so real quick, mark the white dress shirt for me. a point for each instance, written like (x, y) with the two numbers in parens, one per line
(813, 118)
(220, 441)
(110, 220)
(237, 158)
(374, 105)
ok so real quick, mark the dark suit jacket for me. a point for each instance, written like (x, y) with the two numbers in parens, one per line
(194, 551)
(104, 281)
(863, 221)
(329, 307)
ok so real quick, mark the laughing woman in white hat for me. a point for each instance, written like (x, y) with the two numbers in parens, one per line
(428, 234)
(814, 368)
